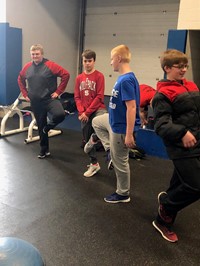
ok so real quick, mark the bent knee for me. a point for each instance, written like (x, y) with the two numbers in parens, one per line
(59, 117)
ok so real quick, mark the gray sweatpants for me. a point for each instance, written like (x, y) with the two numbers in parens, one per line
(118, 151)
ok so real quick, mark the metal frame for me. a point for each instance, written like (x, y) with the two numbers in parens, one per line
(14, 109)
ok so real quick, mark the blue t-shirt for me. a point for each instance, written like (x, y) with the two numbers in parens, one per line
(126, 88)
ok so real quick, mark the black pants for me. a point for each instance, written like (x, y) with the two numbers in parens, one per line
(87, 131)
(184, 188)
(52, 107)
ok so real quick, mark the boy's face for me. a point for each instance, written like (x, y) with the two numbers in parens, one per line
(176, 72)
(115, 60)
(88, 64)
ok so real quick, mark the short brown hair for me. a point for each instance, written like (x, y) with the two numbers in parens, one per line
(89, 54)
(39, 47)
(172, 57)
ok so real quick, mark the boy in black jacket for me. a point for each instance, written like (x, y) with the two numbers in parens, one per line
(177, 120)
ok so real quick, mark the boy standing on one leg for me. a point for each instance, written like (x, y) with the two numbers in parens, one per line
(177, 120)
(89, 98)
(124, 121)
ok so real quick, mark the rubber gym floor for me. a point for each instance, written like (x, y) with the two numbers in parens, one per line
(49, 203)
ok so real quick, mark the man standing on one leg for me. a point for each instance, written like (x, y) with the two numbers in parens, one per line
(42, 92)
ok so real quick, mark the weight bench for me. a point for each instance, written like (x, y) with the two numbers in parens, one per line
(10, 111)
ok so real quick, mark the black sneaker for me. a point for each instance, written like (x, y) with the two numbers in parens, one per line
(43, 155)
(46, 129)
(166, 232)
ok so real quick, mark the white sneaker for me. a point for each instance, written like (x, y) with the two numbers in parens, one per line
(92, 170)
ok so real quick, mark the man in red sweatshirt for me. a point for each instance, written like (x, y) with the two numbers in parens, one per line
(38, 84)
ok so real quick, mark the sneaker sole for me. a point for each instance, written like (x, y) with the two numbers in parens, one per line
(110, 166)
(96, 171)
(44, 156)
(158, 229)
(41, 157)
(118, 201)
(88, 148)
(163, 192)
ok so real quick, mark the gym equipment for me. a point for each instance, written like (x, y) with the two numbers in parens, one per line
(14, 109)
(15, 251)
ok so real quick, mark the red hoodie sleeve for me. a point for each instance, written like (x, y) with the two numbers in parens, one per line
(59, 72)
(22, 80)
(77, 96)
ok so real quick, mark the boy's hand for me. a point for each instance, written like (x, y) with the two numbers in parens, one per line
(189, 140)
(83, 117)
(130, 141)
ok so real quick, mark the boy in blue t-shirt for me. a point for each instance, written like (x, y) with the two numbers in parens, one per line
(124, 121)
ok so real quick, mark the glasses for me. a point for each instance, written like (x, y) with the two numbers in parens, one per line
(181, 67)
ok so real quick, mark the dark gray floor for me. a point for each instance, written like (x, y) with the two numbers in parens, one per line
(51, 205)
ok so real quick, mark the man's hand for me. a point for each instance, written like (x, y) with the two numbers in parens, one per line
(27, 99)
(54, 95)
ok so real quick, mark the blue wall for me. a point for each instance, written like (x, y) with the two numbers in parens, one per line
(11, 62)
(177, 40)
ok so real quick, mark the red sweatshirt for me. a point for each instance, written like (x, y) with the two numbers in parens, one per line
(42, 79)
(146, 95)
(89, 92)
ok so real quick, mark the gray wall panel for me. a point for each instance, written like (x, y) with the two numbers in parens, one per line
(54, 24)
(142, 25)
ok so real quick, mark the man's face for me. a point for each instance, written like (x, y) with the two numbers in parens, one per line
(36, 56)
(88, 64)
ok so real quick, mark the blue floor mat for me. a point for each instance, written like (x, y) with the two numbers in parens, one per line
(71, 122)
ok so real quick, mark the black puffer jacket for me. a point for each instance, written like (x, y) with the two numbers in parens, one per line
(176, 111)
